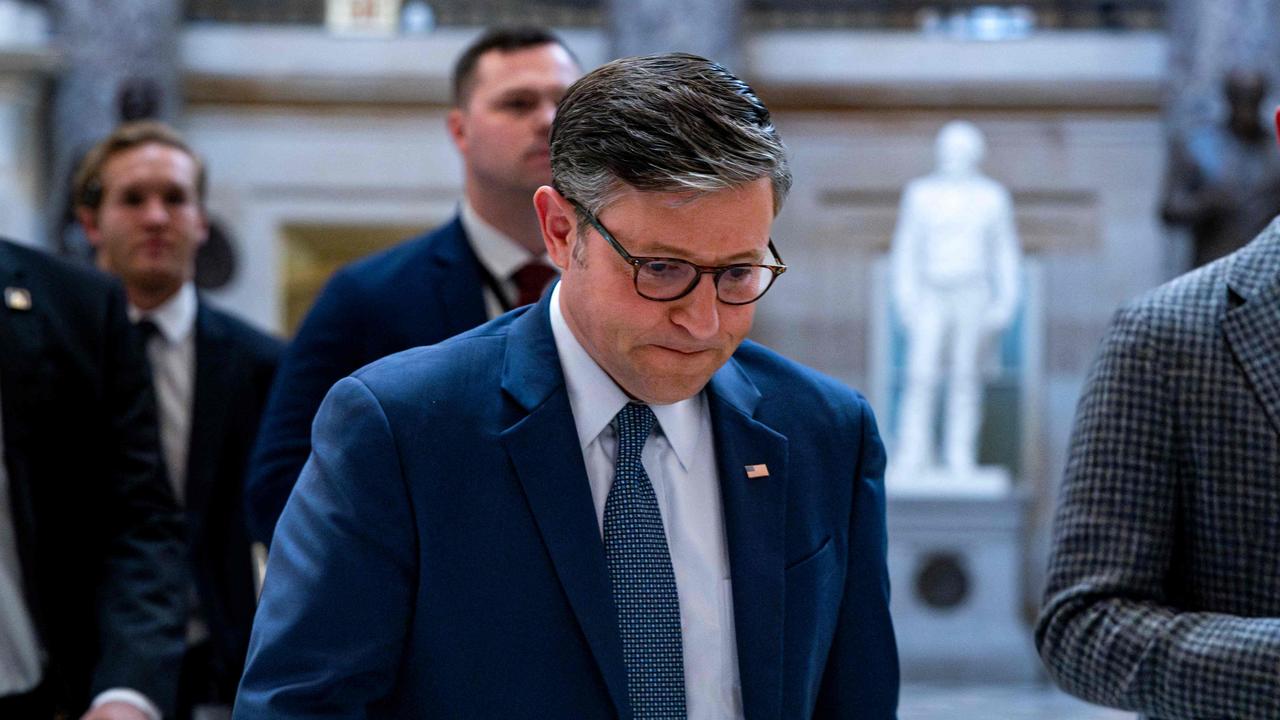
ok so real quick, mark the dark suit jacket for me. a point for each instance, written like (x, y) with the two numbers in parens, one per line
(417, 293)
(98, 532)
(1164, 587)
(442, 557)
(234, 367)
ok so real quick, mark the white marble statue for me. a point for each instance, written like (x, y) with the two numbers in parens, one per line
(955, 266)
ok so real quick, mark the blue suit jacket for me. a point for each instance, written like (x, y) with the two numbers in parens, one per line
(441, 556)
(417, 293)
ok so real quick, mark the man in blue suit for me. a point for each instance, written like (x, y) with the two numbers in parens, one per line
(486, 260)
(607, 505)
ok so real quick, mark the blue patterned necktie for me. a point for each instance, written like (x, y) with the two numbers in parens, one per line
(644, 584)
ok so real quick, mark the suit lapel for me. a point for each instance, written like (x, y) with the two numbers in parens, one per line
(21, 347)
(1252, 328)
(457, 279)
(755, 523)
(211, 397)
(21, 335)
(543, 447)
(1253, 332)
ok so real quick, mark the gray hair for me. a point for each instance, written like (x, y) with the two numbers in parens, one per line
(663, 123)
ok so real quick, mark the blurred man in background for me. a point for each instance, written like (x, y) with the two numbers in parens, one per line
(92, 576)
(485, 261)
(140, 199)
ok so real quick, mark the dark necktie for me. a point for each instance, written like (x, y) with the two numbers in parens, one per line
(531, 279)
(644, 583)
(144, 330)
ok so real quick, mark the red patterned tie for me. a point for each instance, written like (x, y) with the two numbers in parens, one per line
(531, 279)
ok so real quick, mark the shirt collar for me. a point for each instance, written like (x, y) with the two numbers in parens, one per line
(175, 318)
(595, 398)
(499, 254)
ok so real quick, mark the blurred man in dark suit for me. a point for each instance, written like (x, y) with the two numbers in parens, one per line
(485, 261)
(91, 556)
(1163, 593)
(140, 198)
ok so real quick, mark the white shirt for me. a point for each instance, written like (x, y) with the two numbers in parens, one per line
(679, 458)
(500, 255)
(172, 353)
(20, 653)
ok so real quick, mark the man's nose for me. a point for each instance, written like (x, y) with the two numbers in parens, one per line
(154, 210)
(699, 311)
(545, 115)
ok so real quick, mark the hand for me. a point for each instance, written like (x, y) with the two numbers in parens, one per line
(115, 711)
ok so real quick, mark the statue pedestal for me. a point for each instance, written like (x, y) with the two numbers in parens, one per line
(955, 565)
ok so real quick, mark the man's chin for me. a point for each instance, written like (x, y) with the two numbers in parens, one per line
(669, 394)
(667, 387)
(155, 281)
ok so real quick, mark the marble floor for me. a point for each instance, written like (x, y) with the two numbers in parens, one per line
(1036, 702)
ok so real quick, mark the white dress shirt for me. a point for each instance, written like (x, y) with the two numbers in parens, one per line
(20, 653)
(172, 353)
(500, 255)
(679, 458)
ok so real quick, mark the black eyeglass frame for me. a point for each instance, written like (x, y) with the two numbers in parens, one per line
(715, 271)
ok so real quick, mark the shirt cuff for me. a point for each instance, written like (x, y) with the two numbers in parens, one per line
(132, 697)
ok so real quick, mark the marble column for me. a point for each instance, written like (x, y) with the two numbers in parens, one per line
(710, 28)
(121, 63)
(24, 73)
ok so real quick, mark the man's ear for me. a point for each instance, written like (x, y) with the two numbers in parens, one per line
(456, 122)
(204, 226)
(559, 224)
(1278, 124)
(88, 218)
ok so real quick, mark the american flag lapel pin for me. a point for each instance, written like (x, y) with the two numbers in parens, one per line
(17, 298)
(757, 471)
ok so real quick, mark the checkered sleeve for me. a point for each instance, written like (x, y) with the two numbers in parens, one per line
(1108, 631)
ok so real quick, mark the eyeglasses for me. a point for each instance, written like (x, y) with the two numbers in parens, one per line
(665, 279)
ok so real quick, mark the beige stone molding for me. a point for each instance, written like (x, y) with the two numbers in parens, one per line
(34, 60)
(1075, 69)
(1048, 220)
(791, 68)
(259, 64)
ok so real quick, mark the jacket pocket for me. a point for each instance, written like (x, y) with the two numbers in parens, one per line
(814, 557)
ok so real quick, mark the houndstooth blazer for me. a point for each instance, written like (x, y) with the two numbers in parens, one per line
(1163, 591)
